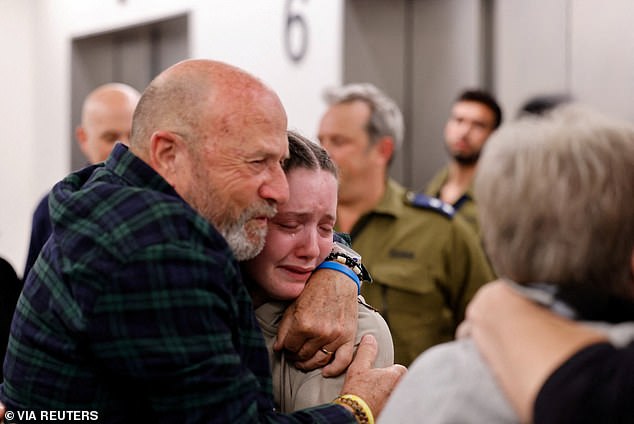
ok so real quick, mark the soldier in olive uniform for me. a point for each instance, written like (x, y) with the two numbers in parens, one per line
(426, 263)
(475, 114)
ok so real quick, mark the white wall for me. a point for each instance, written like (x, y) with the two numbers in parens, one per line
(531, 41)
(583, 47)
(35, 37)
(17, 99)
(602, 58)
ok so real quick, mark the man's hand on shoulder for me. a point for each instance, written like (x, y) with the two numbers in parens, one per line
(319, 328)
(373, 385)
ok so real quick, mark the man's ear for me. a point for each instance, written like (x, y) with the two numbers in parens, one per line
(385, 148)
(166, 150)
(81, 137)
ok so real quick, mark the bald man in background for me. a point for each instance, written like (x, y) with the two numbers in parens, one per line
(106, 118)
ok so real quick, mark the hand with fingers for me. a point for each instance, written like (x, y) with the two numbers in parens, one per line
(366, 389)
(319, 328)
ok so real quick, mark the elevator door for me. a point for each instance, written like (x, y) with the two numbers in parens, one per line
(422, 53)
(132, 55)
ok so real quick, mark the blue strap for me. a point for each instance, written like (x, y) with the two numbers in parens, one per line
(336, 266)
(423, 201)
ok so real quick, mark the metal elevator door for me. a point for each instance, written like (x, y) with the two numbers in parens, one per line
(133, 55)
(422, 53)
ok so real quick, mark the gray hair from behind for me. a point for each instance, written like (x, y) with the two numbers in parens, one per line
(386, 118)
(555, 198)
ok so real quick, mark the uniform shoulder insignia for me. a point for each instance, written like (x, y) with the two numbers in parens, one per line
(420, 200)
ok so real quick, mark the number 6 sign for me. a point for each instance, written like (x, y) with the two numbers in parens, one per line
(295, 33)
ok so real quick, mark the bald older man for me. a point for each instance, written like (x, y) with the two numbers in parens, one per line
(105, 119)
(136, 311)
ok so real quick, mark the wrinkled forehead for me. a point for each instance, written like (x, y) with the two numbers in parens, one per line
(253, 107)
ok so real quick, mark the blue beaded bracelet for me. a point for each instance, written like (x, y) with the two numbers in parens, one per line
(336, 266)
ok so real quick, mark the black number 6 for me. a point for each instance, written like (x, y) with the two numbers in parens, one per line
(295, 34)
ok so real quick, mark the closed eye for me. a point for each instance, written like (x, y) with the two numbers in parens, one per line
(326, 230)
(288, 226)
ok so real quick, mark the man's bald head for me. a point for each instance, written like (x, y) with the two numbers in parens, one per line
(196, 99)
(111, 93)
(106, 118)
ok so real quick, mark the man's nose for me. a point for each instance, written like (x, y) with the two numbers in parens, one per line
(276, 187)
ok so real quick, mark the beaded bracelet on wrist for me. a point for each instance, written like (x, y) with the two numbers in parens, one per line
(356, 266)
(361, 411)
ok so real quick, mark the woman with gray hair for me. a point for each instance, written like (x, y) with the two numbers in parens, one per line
(555, 369)
(556, 217)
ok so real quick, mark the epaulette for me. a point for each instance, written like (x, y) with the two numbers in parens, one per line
(423, 201)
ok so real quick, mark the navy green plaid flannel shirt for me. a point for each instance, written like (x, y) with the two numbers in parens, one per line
(136, 309)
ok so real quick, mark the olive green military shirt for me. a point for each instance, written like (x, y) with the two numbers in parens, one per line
(426, 266)
(465, 206)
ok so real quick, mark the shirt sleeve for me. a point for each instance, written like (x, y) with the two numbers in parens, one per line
(40, 231)
(470, 269)
(313, 388)
(371, 322)
(448, 383)
(594, 385)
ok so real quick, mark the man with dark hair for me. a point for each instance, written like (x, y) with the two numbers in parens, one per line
(475, 114)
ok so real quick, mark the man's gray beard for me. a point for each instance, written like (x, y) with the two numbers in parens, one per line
(238, 240)
(237, 236)
(235, 233)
